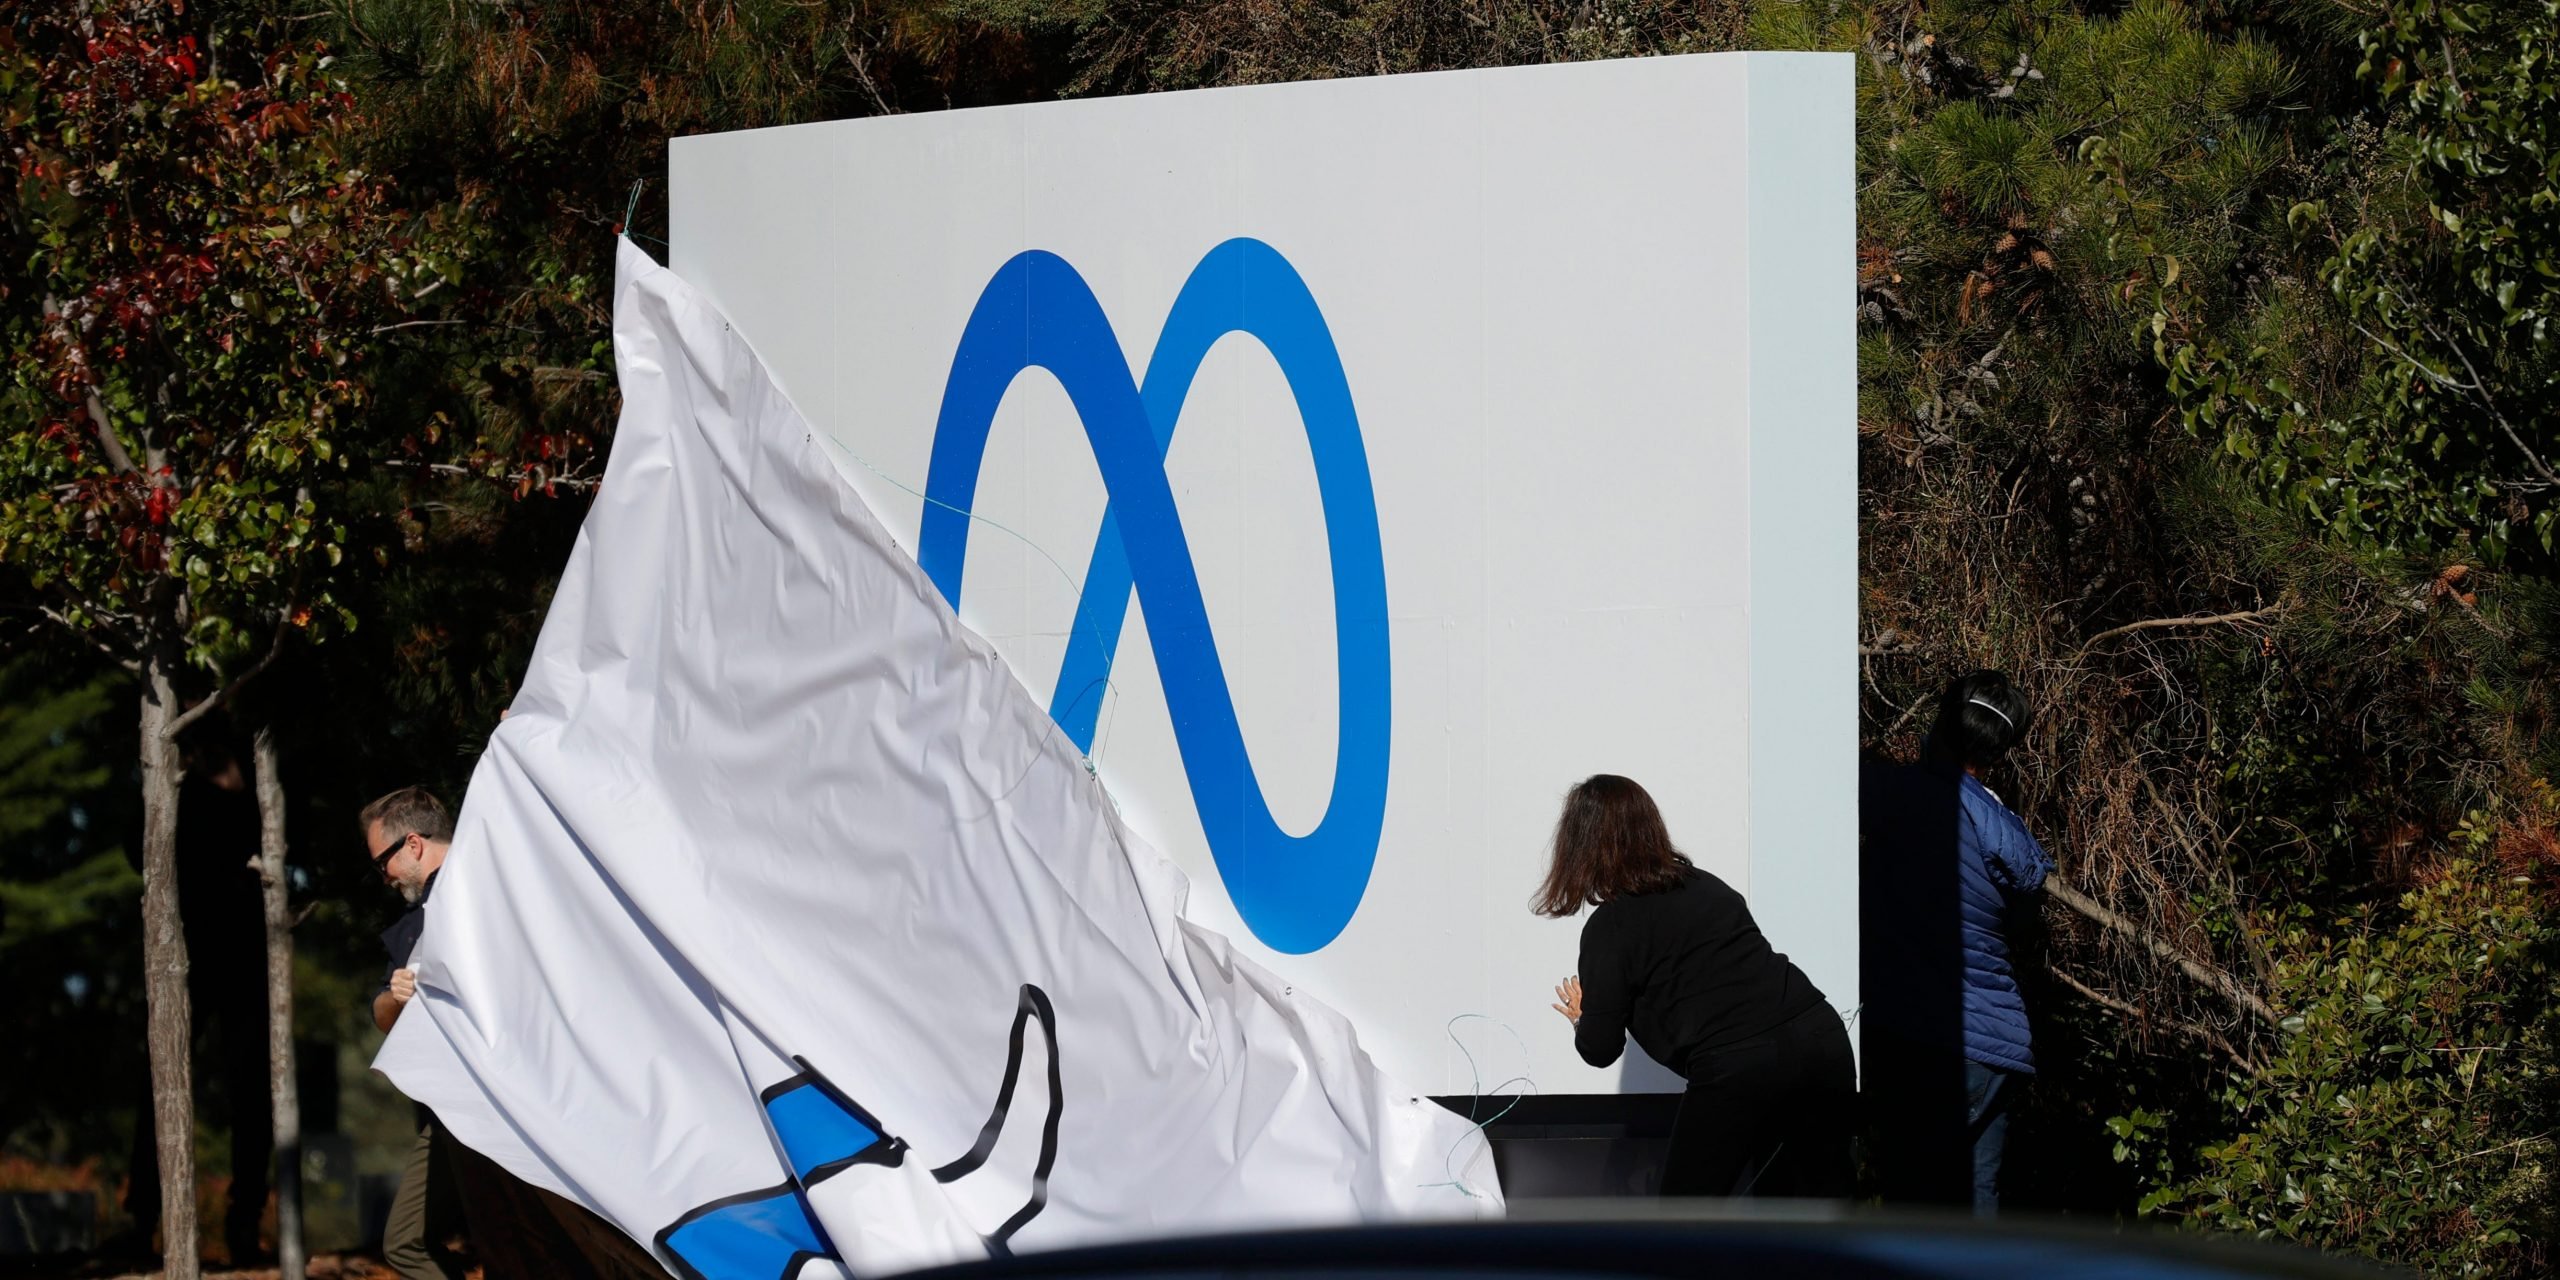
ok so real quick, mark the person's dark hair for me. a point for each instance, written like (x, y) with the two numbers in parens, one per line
(1610, 843)
(409, 809)
(1980, 718)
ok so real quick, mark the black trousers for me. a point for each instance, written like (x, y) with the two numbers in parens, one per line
(1769, 1116)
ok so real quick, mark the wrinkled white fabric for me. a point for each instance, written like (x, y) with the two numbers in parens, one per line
(765, 808)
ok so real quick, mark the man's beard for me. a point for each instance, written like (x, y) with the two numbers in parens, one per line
(412, 890)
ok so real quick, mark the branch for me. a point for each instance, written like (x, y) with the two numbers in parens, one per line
(345, 12)
(114, 655)
(127, 629)
(107, 440)
(2212, 870)
(2440, 379)
(2480, 391)
(228, 691)
(408, 324)
(2526, 1140)
(2194, 1029)
(1887, 641)
(519, 477)
(1914, 709)
(2223, 984)
(861, 62)
(2192, 620)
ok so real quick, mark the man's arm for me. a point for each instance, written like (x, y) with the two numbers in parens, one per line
(388, 1002)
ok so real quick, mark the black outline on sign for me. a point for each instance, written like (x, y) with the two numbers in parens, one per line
(887, 1151)
(1033, 1004)
(890, 1151)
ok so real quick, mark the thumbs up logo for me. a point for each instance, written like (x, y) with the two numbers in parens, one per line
(847, 1167)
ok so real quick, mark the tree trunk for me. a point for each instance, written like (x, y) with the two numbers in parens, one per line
(164, 974)
(281, 1086)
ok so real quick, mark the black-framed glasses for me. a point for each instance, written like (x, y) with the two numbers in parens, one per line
(382, 860)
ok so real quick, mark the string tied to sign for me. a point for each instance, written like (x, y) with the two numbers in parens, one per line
(1477, 1096)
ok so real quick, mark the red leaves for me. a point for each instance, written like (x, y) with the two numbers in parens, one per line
(280, 117)
(66, 434)
(129, 62)
(111, 501)
(210, 281)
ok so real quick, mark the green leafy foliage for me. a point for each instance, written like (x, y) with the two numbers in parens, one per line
(2251, 723)
(57, 882)
(1155, 45)
(2398, 383)
(68, 924)
(190, 331)
(2408, 1113)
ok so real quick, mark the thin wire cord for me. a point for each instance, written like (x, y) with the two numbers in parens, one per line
(1110, 688)
(1475, 1077)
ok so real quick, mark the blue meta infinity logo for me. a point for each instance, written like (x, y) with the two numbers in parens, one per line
(1295, 892)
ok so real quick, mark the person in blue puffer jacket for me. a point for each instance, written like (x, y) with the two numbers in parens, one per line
(1951, 875)
(1999, 870)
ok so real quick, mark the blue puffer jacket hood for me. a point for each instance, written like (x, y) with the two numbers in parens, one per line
(1998, 867)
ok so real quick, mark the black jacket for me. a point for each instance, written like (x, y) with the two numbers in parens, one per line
(1686, 972)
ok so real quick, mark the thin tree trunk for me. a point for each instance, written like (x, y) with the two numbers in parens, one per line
(282, 1088)
(164, 974)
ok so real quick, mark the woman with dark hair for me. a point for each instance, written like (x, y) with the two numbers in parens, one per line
(1950, 874)
(1671, 956)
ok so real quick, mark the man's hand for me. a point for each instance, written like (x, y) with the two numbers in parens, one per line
(387, 1006)
(1568, 997)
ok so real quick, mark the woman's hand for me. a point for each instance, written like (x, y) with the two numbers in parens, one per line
(1569, 1000)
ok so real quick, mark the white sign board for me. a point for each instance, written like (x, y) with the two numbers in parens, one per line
(1460, 436)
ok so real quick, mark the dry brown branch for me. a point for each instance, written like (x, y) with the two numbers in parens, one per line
(2192, 620)
(2194, 1030)
(509, 479)
(2218, 872)
(2223, 984)
(379, 330)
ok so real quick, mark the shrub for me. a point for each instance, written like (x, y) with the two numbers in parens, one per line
(2408, 1115)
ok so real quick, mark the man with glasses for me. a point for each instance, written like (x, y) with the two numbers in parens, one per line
(408, 832)
(518, 1231)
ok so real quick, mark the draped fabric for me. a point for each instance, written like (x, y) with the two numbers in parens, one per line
(784, 930)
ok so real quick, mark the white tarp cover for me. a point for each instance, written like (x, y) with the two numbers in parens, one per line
(782, 928)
